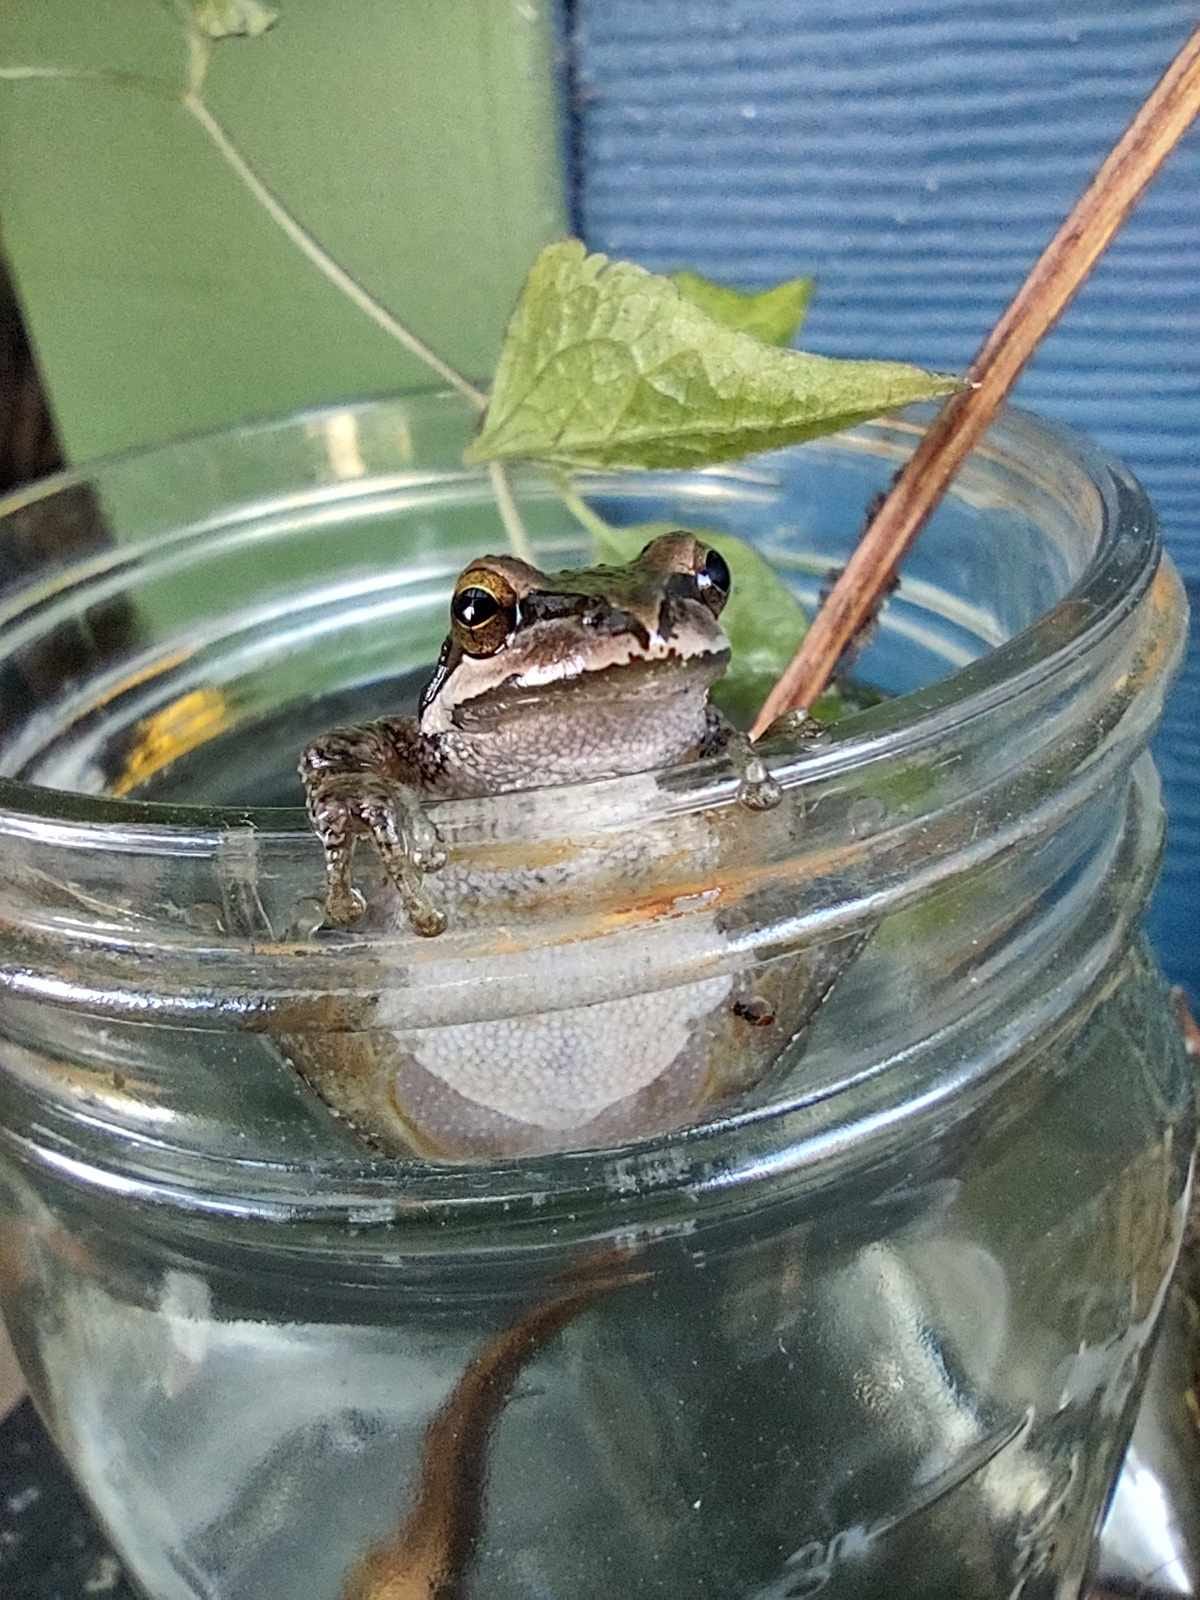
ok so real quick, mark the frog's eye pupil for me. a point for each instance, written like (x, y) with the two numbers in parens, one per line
(473, 607)
(714, 573)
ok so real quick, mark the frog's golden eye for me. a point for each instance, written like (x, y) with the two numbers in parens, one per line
(482, 612)
(714, 580)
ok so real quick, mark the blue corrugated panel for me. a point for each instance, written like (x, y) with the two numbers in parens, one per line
(916, 156)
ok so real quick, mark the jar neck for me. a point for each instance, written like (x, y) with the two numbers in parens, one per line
(884, 813)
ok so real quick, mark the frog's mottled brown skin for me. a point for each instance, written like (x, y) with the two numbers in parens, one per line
(544, 678)
(549, 678)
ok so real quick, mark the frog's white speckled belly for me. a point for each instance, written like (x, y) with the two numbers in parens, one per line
(564, 1068)
(640, 1058)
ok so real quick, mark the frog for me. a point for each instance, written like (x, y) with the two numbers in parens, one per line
(543, 678)
(548, 678)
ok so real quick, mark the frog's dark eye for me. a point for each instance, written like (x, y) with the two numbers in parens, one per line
(482, 612)
(713, 579)
(474, 607)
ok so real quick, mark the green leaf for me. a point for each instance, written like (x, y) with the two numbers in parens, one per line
(775, 315)
(763, 620)
(221, 18)
(605, 364)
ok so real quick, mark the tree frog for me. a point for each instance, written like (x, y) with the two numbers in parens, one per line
(543, 678)
(549, 678)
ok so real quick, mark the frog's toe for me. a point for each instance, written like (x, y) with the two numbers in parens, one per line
(424, 916)
(423, 842)
(343, 906)
(408, 846)
(345, 805)
(758, 790)
(427, 919)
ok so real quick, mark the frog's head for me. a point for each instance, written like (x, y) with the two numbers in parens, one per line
(612, 638)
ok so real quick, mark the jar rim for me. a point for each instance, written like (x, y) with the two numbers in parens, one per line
(1099, 634)
(1127, 553)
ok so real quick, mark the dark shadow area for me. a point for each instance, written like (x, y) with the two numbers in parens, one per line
(50, 1548)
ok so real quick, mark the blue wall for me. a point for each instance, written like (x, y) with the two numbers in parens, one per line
(916, 157)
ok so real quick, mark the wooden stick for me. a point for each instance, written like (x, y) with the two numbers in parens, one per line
(1063, 266)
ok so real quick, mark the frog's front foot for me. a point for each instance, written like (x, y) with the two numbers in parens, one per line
(344, 806)
(758, 790)
(798, 727)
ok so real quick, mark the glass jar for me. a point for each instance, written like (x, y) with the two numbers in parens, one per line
(876, 1324)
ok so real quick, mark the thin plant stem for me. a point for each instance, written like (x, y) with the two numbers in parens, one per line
(518, 536)
(199, 56)
(359, 295)
(101, 75)
(344, 281)
(322, 260)
(1062, 267)
(579, 508)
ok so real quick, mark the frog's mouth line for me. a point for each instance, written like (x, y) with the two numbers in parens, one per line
(620, 652)
(637, 679)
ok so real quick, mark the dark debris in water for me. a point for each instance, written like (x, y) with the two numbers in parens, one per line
(50, 1546)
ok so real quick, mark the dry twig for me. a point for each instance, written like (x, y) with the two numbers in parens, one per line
(1062, 267)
